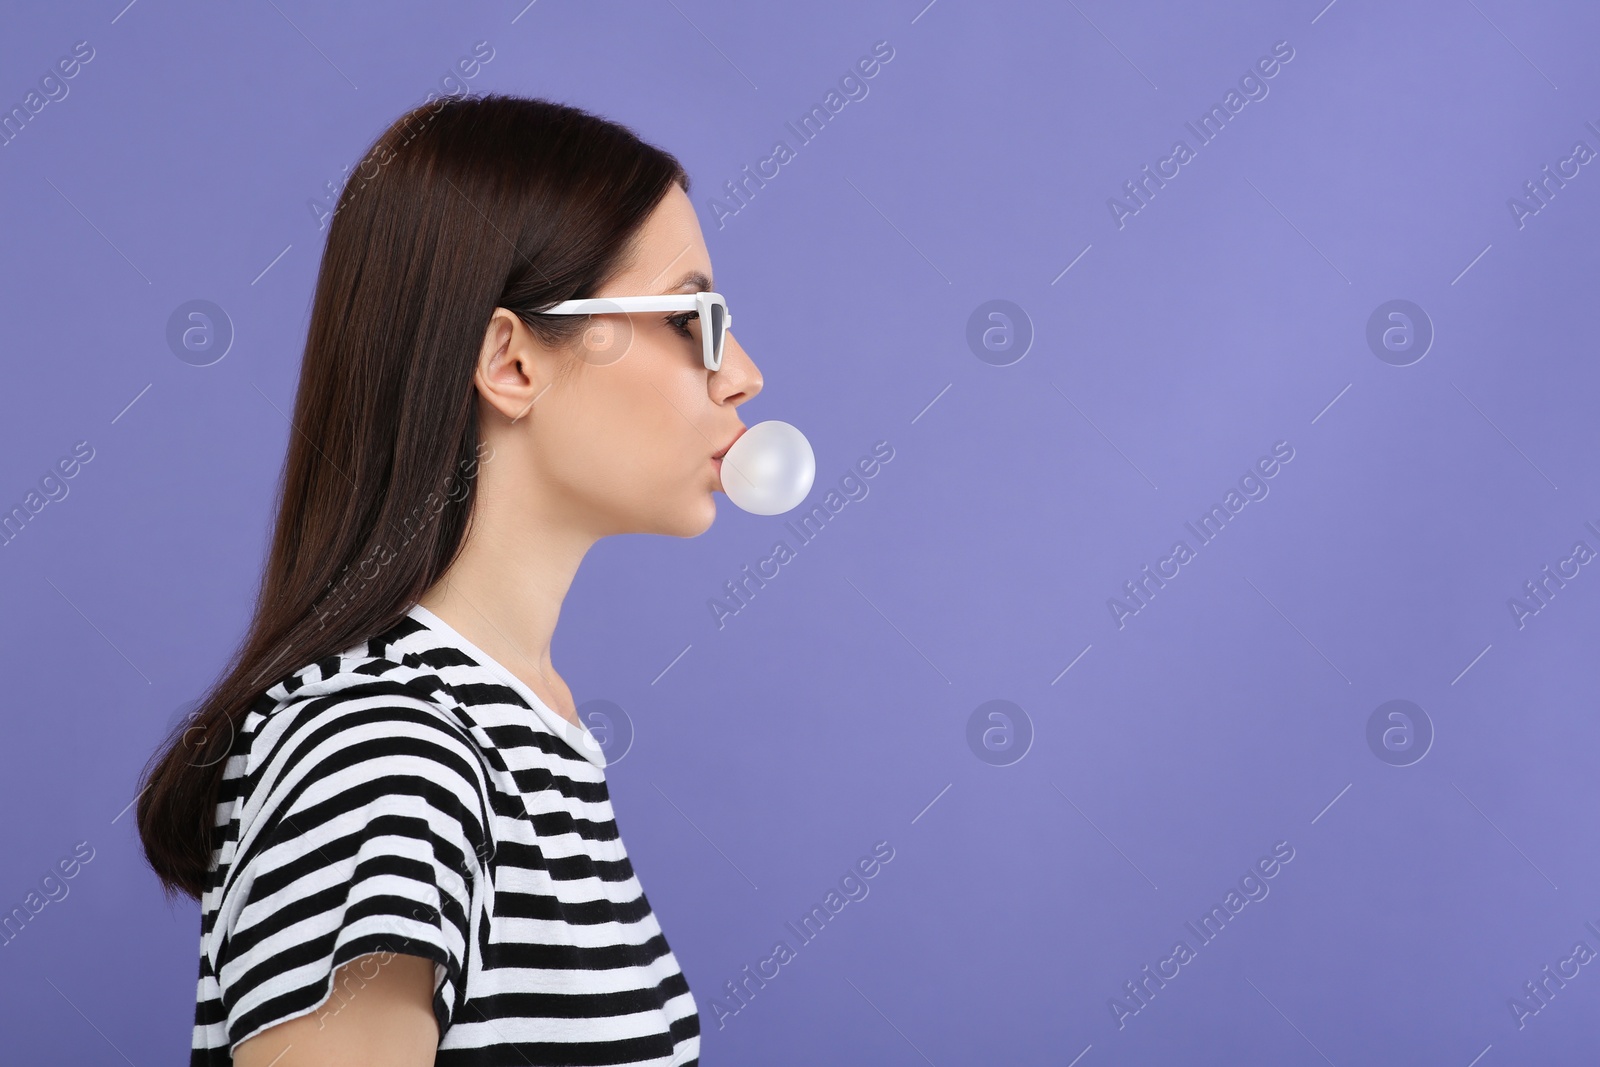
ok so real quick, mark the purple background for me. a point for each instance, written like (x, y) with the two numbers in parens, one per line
(833, 711)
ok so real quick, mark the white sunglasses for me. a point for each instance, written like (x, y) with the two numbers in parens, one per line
(712, 309)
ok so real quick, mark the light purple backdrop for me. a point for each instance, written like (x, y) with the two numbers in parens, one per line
(1158, 342)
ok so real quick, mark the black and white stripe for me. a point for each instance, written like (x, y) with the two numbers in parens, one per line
(412, 795)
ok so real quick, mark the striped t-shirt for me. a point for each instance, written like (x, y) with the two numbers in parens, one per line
(412, 795)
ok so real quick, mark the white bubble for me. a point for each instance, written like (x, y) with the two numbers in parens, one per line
(769, 469)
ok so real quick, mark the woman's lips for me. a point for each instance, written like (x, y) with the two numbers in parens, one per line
(724, 451)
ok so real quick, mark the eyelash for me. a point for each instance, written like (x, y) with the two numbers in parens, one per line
(680, 322)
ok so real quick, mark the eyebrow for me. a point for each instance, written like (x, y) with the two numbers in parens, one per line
(696, 280)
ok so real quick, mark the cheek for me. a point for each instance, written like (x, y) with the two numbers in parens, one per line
(663, 399)
(624, 432)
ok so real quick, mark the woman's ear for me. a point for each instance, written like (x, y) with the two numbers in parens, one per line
(513, 368)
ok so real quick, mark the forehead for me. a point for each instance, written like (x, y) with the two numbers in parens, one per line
(668, 245)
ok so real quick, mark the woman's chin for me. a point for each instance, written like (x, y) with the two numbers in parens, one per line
(707, 515)
(691, 520)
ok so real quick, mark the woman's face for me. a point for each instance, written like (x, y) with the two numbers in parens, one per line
(616, 433)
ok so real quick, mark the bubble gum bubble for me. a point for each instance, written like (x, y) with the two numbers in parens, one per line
(769, 469)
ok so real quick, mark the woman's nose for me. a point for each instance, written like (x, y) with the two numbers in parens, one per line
(739, 373)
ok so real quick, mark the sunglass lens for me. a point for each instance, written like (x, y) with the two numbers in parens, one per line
(719, 328)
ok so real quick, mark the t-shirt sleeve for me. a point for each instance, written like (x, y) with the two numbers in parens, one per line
(364, 831)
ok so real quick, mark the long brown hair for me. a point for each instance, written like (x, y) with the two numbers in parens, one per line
(463, 205)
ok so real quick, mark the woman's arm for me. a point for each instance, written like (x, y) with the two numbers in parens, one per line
(379, 1015)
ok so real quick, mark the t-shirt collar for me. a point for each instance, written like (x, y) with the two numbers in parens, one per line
(578, 737)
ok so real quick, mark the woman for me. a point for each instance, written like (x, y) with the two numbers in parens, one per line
(396, 824)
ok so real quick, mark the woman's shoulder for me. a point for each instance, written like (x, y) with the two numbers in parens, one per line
(371, 686)
(339, 732)
(340, 751)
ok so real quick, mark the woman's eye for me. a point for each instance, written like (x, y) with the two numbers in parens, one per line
(681, 322)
